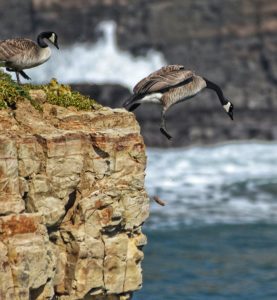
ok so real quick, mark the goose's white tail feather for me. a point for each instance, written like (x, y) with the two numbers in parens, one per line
(152, 98)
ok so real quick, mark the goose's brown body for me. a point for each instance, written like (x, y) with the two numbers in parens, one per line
(183, 92)
(170, 85)
(19, 54)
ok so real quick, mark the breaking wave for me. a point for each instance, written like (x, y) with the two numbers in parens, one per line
(227, 184)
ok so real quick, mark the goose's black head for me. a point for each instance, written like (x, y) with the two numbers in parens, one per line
(229, 107)
(51, 36)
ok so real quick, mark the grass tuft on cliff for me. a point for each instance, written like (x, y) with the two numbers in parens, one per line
(10, 91)
(55, 93)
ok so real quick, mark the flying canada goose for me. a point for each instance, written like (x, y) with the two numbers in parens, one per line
(19, 54)
(170, 85)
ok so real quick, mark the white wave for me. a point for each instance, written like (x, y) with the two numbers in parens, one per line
(102, 62)
(227, 184)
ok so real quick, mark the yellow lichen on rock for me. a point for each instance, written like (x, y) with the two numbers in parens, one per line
(62, 95)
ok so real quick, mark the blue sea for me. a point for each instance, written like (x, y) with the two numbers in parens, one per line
(216, 237)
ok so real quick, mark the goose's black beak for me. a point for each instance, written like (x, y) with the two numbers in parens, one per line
(230, 113)
(56, 45)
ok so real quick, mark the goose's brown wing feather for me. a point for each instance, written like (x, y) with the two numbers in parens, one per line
(163, 78)
(13, 47)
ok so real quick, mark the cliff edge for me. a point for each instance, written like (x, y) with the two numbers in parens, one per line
(72, 198)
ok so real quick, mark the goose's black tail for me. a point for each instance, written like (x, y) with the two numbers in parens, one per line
(132, 103)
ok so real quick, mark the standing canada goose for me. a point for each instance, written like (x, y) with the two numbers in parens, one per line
(19, 54)
(170, 85)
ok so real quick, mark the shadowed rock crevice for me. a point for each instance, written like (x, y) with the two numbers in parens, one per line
(24, 198)
(71, 200)
(100, 152)
(36, 293)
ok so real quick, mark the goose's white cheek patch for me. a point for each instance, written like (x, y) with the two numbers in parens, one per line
(227, 106)
(52, 38)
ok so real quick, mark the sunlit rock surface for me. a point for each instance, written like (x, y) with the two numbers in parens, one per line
(72, 203)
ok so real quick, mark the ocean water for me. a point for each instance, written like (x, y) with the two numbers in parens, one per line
(216, 238)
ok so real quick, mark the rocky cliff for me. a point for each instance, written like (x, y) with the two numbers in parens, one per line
(72, 200)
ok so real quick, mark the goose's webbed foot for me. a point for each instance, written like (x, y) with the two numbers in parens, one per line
(134, 106)
(164, 132)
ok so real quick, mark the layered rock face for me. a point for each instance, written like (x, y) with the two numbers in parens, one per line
(72, 203)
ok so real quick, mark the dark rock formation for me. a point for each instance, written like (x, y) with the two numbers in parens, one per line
(104, 93)
(16, 18)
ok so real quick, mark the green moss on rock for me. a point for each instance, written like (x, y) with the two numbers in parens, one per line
(11, 92)
(57, 94)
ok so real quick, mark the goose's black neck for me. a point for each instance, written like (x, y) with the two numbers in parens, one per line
(218, 90)
(41, 41)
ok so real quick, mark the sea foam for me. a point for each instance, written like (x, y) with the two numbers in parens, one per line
(228, 184)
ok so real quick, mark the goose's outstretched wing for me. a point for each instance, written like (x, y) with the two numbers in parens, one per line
(166, 77)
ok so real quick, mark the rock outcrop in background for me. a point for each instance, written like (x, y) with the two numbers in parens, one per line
(232, 42)
(72, 202)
